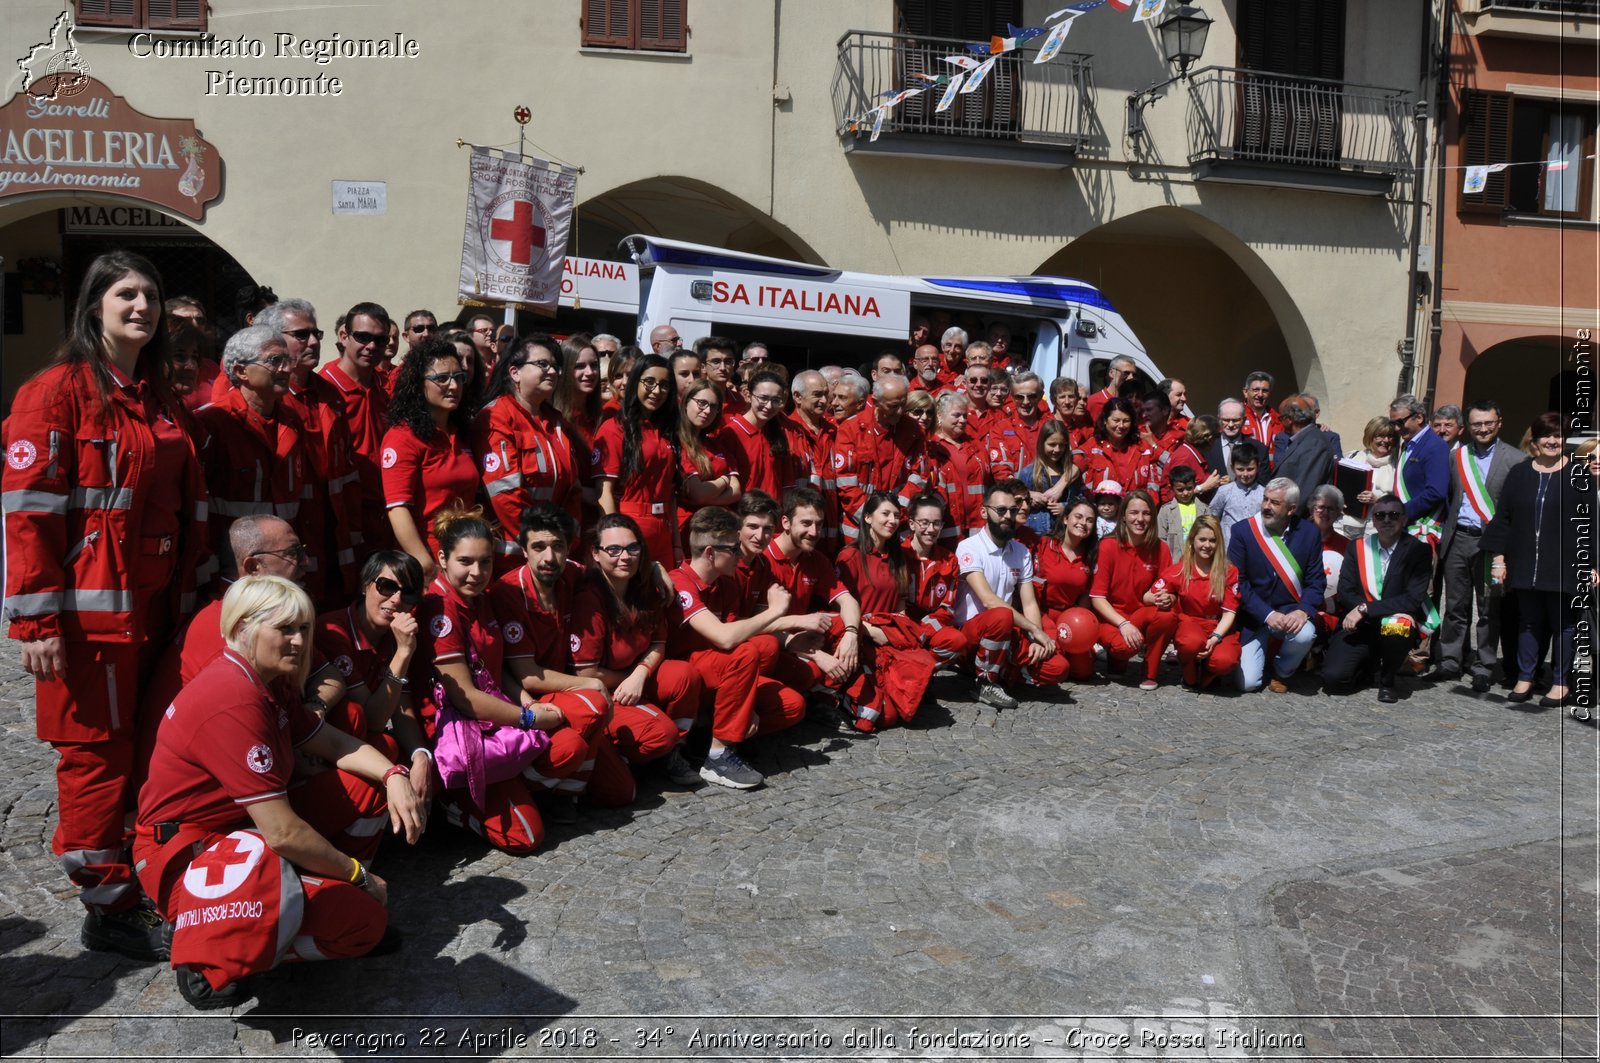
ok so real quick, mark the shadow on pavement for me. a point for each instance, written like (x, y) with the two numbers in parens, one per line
(45, 993)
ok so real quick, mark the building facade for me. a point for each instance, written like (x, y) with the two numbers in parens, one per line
(1260, 213)
(1519, 289)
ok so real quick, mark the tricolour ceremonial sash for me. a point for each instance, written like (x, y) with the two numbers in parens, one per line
(1472, 485)
(1283, 562)
(1426, 528)
(1369, 561)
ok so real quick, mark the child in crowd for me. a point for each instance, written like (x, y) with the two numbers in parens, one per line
(1176, 517)
(1240, 498)
(1107, 507)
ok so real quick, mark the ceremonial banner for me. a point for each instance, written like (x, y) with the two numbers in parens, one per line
(519, 213)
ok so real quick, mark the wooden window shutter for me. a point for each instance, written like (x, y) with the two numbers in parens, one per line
(177, 14)
(108, 12)
(607, 23)
(1487, 140)
(661, 25)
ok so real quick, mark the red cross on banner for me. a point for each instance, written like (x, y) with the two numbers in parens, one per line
(216, 860)
(520, 231)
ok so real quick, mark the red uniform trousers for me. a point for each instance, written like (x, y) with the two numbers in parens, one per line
(656, 529)
(346, 809)
(1080, 666)
(579, 759)
(1157, 627)
(746, 689)
(337, 920)
(642, 733)
(941, 635)
(1192, 634)
(997, 652)
(89, 715)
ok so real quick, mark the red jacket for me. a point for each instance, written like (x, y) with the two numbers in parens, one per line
(1011, 443)
(1253, 428)
(960, 473)
(77, 478)
(527, 460)
(1134, 467)
(868, 458)
(335, 510)
(252, 469)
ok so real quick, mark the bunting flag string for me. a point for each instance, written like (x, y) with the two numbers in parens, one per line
(1477, 177)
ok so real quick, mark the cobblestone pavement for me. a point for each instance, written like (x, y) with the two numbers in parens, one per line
(1126, 874)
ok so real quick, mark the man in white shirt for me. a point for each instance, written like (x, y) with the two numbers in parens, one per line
(996, 600)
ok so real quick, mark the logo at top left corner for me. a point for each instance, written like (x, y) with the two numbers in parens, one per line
(54, 68)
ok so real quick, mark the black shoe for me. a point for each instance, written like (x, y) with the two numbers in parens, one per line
(560, 811)
(1440, 675)
(1481, 684)
(138, 933)
(194, 988)
(1386, 696)
(1548, 702)
(1517, 697)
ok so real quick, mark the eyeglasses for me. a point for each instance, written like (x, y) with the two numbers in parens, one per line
(1334, 510)
(1005, 511)
(702, 404)
(614, 551)
(297, 552)
(650, 383)
(483, 332)
(424, 328)
(725, 548)
(303, 334)
(928, 525)
(460, 376)
(388, 588)
(283, 361)
(1388, 515)
(766, 400)
(544, 365)
(719, 361)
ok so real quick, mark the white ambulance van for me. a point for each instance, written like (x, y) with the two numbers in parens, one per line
(813, 315)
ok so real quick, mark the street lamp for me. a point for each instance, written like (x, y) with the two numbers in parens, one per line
(1183, 40)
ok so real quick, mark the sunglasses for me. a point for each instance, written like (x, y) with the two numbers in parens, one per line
(726, 548)
(364, 338)
(1005, 511)
(388, 588)
(460, 376)
(424, 328)
(1388, 516)
(614, 551)
(303, 334)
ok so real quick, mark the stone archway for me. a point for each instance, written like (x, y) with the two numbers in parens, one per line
(1207, 308)
(681, 208)
(1524, 375)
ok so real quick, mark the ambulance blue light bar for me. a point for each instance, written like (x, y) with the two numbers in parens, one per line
(1062, 291)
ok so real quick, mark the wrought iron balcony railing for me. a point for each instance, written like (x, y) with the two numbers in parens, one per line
(1248, 116)
(1590, 8)
(1020, 105)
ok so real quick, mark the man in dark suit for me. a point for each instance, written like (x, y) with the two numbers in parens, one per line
(1477, 472)
(1219, 455)
(1383, 594)
(1281, 586)
(1305, 453)
(1423, 478)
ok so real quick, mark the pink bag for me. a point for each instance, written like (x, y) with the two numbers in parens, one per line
(474, 753)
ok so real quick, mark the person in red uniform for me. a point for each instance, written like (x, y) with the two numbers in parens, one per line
(812, 422)
(426, 458)
(1121, 370)
(1262, 421)
(932, 597)
(958, 466)
(191, 371)
(246, 881)
(255, 456)
(1063, 571)
(1134, 613)
(464, 638)
(362, 338)
(1117, 453)
(1165, 440)
(105, 529)
(578, 391)
(528, 451)
(879, 449)
(1206, 588)
(704, 445)
(828, 655)
(1013, 435)
(734, 656)
(635, 455)
(768, 456)
(878, 572)
(619, 635)
(925, 368)
(332, 519)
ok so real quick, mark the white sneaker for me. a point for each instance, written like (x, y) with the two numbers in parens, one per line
(994, 694)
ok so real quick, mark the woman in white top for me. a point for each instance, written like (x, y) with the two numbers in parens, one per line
(1379, 441)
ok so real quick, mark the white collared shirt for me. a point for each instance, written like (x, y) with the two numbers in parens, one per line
(1006, 568)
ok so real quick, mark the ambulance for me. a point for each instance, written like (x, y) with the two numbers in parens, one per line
(813, 315)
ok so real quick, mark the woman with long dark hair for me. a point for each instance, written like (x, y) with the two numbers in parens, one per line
(1063, 570)
(636, 455)
(105, 526)
(528, 451)
(709, 477)
(619, 636)
(578, 391)
(1117, 454)
(427, 458)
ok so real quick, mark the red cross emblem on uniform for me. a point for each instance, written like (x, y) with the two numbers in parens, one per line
(216, 860)
(520, 231)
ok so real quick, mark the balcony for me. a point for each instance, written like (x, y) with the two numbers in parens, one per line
(1023, 114)
(1569, 21)
(1250, 127)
